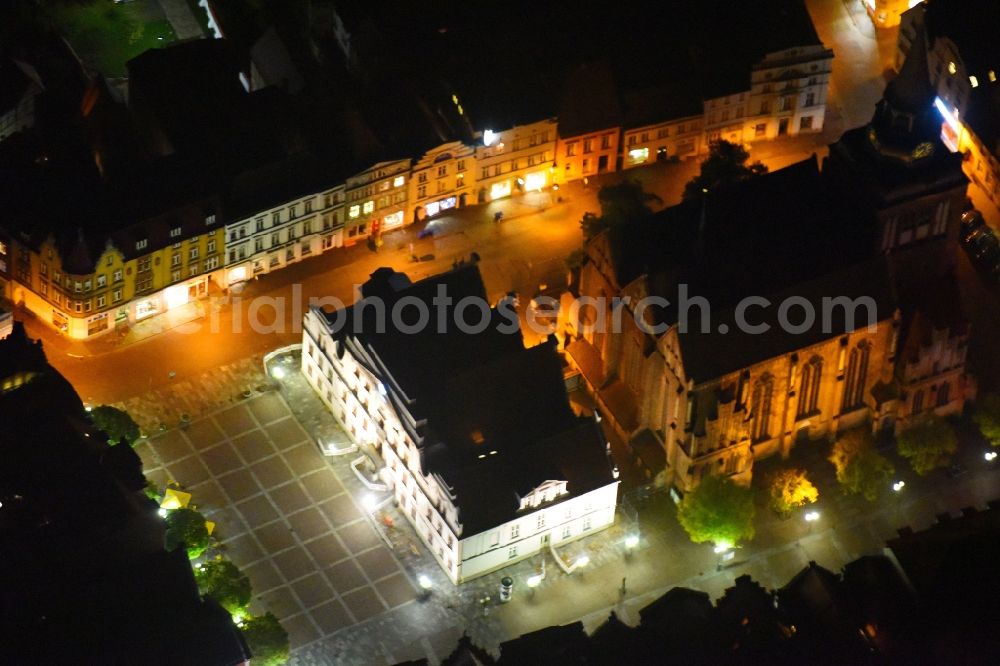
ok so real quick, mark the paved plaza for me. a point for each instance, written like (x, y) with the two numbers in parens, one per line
(283, 516)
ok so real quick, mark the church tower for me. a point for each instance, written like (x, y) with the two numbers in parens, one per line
(899, 179)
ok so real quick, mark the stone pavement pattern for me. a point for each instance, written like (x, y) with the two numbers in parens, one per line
(283, 516)
(197, 396)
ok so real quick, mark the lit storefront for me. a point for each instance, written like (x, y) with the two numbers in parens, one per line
(500, 190)
(147, 307)
(638, 155)
(535, 181)
(434, 207)
(392, 220)
(238, 274)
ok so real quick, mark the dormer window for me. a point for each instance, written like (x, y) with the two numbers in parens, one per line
(175, 232)
(142, 244)
(210, 219)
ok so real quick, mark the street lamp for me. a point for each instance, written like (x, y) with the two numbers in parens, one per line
(631, 541)
(721, 547)
(369, 502)
(278, 373)
(424, 582)
(162, 512)
(898, 486)
(811, 516)
(990, 456)
(582, 561)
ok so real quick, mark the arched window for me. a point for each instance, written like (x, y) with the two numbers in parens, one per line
(856, 377)
(809, 390)
(943, 394)
(760, 408)
(918, 402)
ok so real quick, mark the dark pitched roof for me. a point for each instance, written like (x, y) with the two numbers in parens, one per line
(566, 644)
(911, 89)
(590, 101)
(712, 354)
(498, 422)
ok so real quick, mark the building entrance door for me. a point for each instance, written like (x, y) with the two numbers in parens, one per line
(783, 127)
(602, 164)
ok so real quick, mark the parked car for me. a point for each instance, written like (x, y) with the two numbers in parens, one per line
(971, 220)
(984, 246)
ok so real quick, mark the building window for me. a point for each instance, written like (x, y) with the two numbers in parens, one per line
(422, 178)
(571, 149)
(211, 246)
(193, 253)
(943, 394)
(460, 166)
(102, 301)
(309, 206)
(515, 531)
(117, 277)
(259, 224)
(512, 552)
(293, 211)
(541, 521)
(175, 232)
(586, 523)
(442, 171)
(810, 99)
(809, 391)
(276, 217)
(354, 211)
(765, 107)
(175, 276)
(175, 259)
(918, 402)
(856, 378)
(368, 207)
(116, 295)
(760, 407)
(566, 531)
(760, 129)
(606, 141)
(805, 122)
(588, 146)
(141, 244)
(211, 263)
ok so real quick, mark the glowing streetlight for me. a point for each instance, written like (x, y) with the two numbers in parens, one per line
(162, 512)
(811, 516)
(278, 373)
(898, 486)
(990, 456)
(424, 582)
(369, 502)
(534, 581)
(582, 561)
(722, 547)
(631, 541)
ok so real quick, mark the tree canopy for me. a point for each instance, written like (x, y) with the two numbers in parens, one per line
(620, 203)
(186, 526)
(928, 443)
(860, 469)
(726, 163)
(116, 424)
(986, 416)
(222, 580)
(791, 488)
(718, 510)
(267, 639)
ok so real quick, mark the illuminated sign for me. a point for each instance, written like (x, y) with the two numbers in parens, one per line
(500, 190)
(490, 137)
(432, 208)
(535, 181)
(237, 274)
(638, 155)
(447, 203)
(393, 219)
(369, 206)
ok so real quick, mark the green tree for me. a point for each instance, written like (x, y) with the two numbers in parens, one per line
(117, 424)
(187, 526)
(927, 443)
(791, 488)
(860, 469)
(267, 639)
(222, 580)
(718, 510)
(726, 163)
(621, 203)
(986, 415)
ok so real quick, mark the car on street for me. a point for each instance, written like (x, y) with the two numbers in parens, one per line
(971, 220)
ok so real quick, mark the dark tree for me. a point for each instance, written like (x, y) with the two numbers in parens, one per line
(117, 424)
(621, 203)
(223, 581)
(986, 415)
(267, 639)
(928, 443)
(726, 164)
(187, 526)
